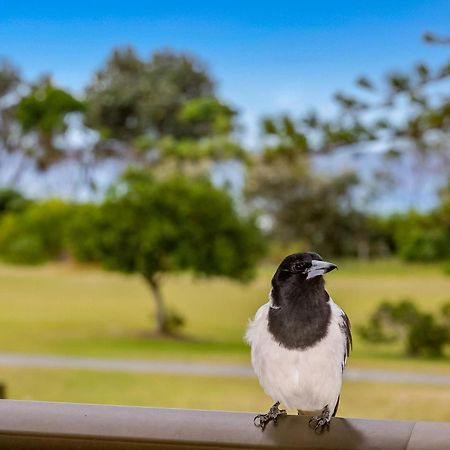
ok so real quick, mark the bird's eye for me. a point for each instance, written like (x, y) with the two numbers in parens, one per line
(298, 267)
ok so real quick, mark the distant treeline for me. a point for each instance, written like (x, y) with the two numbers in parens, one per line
(36, 231)
(162, 115)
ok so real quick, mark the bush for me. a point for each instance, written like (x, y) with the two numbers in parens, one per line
(36, 234)
(422, 333)
(12, 201)
(445, 312)
(419, 236)
(426, 337)
(389, 320)
(174, 321)
(82, 233)
(424, 245)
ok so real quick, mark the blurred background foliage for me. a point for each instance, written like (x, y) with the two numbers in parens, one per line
(160, 133)
(422, 333)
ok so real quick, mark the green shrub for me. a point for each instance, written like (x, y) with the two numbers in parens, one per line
(426, 337)
(36, 234)
(418, 236)
(12, 201)
(445, 312)
(388, 322)
(430, 244)
(422, 333)
(82, 233)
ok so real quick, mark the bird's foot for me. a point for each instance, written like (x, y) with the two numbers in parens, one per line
(261, 420)
(319, 423)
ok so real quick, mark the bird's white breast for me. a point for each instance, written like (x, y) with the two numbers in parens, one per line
(303, 379)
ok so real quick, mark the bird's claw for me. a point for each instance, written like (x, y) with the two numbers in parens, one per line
(319, 423)
(261, 420)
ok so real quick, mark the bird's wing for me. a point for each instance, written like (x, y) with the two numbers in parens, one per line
(346, 329)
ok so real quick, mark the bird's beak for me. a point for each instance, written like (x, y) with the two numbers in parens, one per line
(319, 268)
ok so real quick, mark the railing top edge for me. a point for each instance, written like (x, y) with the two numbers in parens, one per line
(129, 426)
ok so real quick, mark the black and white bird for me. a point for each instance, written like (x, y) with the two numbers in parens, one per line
(300, 340)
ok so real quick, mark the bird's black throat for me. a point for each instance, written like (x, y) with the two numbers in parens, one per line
(302, 313)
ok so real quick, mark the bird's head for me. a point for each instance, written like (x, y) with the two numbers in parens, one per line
(302, 269)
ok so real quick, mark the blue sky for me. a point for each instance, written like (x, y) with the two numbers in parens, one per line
(266, 56)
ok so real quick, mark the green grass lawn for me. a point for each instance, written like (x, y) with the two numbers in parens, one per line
(78, 311)
(359, 399)
(69, 310)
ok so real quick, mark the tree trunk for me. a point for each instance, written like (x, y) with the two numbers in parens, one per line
(161, 315)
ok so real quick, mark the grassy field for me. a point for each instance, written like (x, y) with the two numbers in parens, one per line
(68, 310)
(359, 399)
(76, 311)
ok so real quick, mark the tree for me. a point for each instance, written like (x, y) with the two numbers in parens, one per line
(299, 203)
(371, 114)
(34, 121)
(306, 207)
(130, 96)
(408, 116)
(159, 111)
(41, 114)
(154, 227)
(11, 156)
